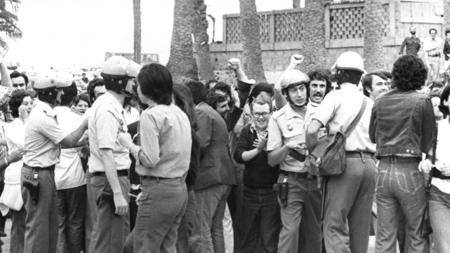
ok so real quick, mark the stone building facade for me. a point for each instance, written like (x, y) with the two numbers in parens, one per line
(322, 34)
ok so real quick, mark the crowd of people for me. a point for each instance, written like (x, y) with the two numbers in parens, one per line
(138, 163)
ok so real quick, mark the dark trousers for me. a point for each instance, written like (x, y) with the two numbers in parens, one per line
(91, 214)
(311, 238)
(110, 230)
(188, 226)
(41, 229)
(210, 211)
(348, 205)
(400, 190)
(262, 224)
(71, 205)
(17, 230)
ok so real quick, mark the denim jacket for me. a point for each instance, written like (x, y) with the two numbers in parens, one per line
(402, 123)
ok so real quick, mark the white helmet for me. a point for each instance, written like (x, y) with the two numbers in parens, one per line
(294, 76)
(349, 60)
(118, 67)
(52, 79)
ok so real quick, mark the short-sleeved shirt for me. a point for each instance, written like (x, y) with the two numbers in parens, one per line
(337, 111)
(165, 134)
(42, 137)
(286, 125)
(106, 120)
(69, 171)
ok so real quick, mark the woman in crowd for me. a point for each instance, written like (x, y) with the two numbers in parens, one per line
(188, 227)
(21, 104)
(81, 104)
(164, 157)
(439, 202)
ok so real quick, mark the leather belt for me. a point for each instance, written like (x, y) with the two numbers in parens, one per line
(158, 178)
(298, 174)
(120, 173)
(40, 168)
(358, 154)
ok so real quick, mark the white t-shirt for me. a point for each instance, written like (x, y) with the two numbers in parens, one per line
(442, 154)
(69, 171)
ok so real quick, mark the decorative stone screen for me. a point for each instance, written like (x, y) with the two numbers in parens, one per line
(233, 28)
(348, 22)
(288, 26)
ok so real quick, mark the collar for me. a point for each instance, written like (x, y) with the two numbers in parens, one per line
(313, 104)
(46, 108)
(348, 86)
(290, 113)
(113, 101)
(253, 129)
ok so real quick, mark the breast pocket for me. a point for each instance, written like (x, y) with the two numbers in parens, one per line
(293, 128)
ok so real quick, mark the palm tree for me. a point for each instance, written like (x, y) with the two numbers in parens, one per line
(8, 21)
(137, 30)
(181, 61)
(446, 14)
(251, 47)
(373, 35)
(201, 38)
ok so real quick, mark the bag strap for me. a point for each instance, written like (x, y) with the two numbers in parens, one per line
(356, 119)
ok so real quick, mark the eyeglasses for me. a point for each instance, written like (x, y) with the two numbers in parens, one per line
(15, 85)
(261, 114)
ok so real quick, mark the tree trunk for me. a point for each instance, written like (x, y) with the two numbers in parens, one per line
(181, 61)
(373, 36)
(251, 47)
(313, 36)
(446, 14)
(137, 30)
(201, 38)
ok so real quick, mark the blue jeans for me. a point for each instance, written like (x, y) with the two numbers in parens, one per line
(348, 206)
(439, 206)
(261, 226)
(162, 206)
(400, 190)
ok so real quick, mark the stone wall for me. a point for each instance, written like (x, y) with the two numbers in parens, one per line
(284, 33)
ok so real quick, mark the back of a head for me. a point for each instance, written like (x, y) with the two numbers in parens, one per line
(409, 73)
(183, 99)
(70, 93)
(155, 82)
(198, 91)
(91, 87)
(258, 88)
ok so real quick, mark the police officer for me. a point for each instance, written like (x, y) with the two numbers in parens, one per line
(286, 146)
(43, 140)
(109, 161)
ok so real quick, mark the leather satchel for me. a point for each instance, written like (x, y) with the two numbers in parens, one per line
(328, 157)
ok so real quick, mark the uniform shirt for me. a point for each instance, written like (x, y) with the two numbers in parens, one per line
(165, 134)
(339, 108)
(42, 137)
(442, 157)
(69, 171)
(412, 45)
(106, 121)
(286, 125)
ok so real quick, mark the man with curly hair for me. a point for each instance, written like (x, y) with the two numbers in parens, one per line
(403, 127)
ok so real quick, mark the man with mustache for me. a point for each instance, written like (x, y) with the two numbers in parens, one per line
(310, 230)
